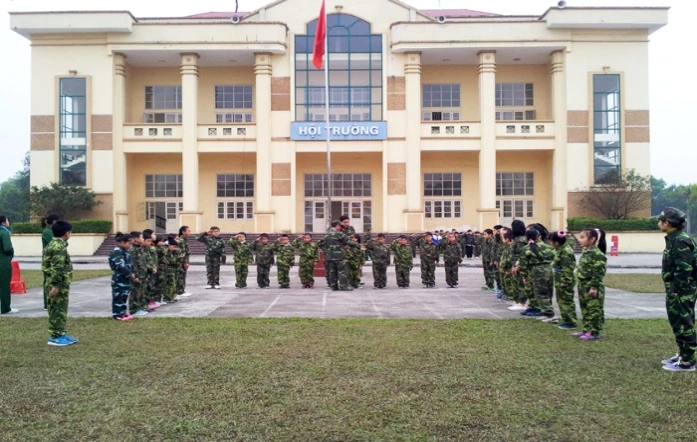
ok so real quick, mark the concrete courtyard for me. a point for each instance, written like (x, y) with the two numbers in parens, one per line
(92, 298)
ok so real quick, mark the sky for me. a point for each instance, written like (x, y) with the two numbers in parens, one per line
(673, 151)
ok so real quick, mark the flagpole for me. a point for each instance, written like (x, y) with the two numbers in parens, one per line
(326, 120)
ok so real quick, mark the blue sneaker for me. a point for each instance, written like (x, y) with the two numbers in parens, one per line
(60, 341)
(566, 326)
(70, 338)
(531, 312)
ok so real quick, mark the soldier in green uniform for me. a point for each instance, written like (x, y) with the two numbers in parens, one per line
(243, 256)
(452, 257)
(488, 259)
(149, 239)
(215, 255)
(173, 260)
(7, 252)
(496, 255)
(428, 252)
(137, 302)
(355, 258)
(334, 245)
(285, 259)
(58, 270)
(309, 255)
(679, 271)
(518, 292)
(564, 279)
(403, 260)
(505, 265)
(381, 259)
(264, 257)
(591, 291)
(536, 263)
(46, 238)
(185, 250)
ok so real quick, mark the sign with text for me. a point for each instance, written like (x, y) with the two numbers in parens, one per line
(338, 130)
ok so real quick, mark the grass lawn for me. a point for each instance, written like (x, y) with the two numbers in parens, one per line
(35, 278)
(341, 380)
(635, 282)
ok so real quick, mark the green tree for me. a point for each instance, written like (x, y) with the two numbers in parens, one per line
(61, 199)
(624, 195)
(14, 194)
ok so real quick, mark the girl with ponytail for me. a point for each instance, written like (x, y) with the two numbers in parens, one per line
(536, 268)
(564, 266)
(591, 291)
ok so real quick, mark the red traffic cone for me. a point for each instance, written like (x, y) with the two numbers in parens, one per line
(16, 284)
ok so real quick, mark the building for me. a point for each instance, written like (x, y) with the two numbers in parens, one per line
(439, 119)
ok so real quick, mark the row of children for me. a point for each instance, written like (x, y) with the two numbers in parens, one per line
(526, 265)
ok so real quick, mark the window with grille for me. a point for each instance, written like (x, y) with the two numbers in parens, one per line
(516, 208)
(440, 102)
(515, 183)
(442, 184)
(236, 210)
(235, 186)
(443, 209)
(163, 186)
(343, 184)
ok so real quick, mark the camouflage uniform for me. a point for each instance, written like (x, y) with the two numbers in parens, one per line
(185, 251)
(487, 259)
(46, 238)
(403, 262)
(215, 254)
(242, 253)
(265, 259)
(452, 257)
(679, 273)
(381, 260)
(173, 261)
(334, 244)
(160, 283)
(518, 292)
(309, 255)
(478, 246)
(355, 258)
(58, 271)
(285, 259)
(139, 258)
(565, 281)
(121, 264)
(505, 266)
(428, 252)
(538, 270)
(496, 252)
(151, 288)
(589, 274)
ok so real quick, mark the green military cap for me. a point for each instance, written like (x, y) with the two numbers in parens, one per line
(672, 215)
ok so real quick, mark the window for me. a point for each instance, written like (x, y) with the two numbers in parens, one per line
(343, 184)
(235, 186)
(233, 97)
(516, 209)
(73, 131)
(515, 184)
(514, 94)
(163, 97)
(440, 95)
(516, 115)
(354, 58)
(234, 117)
(171, 209)
(607, 141)
(235, 209)
(162, 117)
(443, 184)
(163, 186)
(443, 209)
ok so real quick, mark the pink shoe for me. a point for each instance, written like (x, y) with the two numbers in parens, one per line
(126, 317)
(589, 337)
(578, 334)
(153, 305)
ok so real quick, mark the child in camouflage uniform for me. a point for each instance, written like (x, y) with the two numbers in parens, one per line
(428, 252)
(536, 264)
(517, 291)
(591, 291)
(564, 279)
(215, 256)
(679, 272)
(185, 250)
(173, 261)
(403, 260)
(488, 260)
(137, 302)
(355, 258)
(452, 257)
(506, 265)
(160, 283)
(381, 259)
(264, 254)
(285, 259)
(149, 238)
(309, 255)
(58, 271)
(242, 253)
(121, 282)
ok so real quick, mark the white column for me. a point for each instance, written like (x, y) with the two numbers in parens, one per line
(263, 215)
(559, 182)
(488, 214)
(120, 172)
(190, 216)
(414, 209)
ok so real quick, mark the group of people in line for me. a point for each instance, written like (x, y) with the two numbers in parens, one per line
(524, 265)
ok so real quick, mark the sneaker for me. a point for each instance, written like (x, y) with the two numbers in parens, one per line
(517, 308)
(679, 366)
(126, 318)
(672, 360)
(589, 337)
(13, 311)
(70, 338)
(153, 305)
(550, 319)
(566, 326)
(217, 287)
(60, 341)
(185, 295)
(580, 334)
(487, 288)
(531, 312)
(208, 287)
(141, 313)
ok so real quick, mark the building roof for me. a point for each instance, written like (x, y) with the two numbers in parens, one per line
(218, 15)
(457, 13)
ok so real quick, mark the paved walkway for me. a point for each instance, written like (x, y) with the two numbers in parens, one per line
(92, 298)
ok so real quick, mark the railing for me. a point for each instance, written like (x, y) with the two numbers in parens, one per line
(212, 132)
(449, 129)
(532, 129)
(162, 132)
(160, 222)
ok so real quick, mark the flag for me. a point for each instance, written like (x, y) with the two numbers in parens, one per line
(320, 35)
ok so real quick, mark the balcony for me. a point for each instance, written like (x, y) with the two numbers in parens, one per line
(234, 137)
(525, 135)
(450, 135)
(152, 138)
